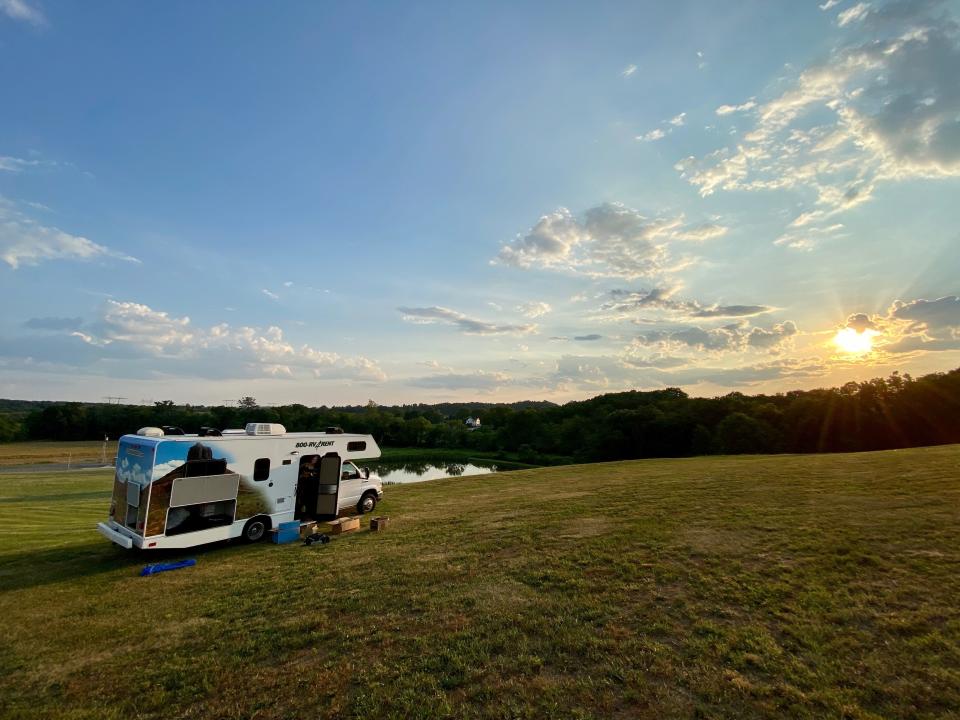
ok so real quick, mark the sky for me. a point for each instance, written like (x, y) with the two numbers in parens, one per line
(328, 203)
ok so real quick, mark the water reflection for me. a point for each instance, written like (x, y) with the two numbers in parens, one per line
(394, 473)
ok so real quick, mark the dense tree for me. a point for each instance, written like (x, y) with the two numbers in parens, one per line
(898, 411)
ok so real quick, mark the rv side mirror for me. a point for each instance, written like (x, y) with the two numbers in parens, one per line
(366, 473)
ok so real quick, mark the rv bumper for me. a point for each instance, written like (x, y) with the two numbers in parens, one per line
(112, 535)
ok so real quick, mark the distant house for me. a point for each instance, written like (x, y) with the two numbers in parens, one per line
(472, 422)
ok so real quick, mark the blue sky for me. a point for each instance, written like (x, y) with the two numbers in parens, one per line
(325, 203)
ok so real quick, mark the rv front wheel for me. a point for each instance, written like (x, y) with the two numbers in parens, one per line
(367, 503)
(255, 529)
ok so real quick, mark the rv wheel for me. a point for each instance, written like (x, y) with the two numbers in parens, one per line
(367, 503)
(255, 529)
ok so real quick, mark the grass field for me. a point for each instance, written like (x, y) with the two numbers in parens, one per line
(35, 453)
(798, 586)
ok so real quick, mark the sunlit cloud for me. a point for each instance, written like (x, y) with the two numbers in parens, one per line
(882, 108)
(610, 240)
(470, 326)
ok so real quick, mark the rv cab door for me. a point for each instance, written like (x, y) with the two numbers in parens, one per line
(350, 481)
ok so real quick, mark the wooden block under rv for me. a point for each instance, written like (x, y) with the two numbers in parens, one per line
(344, 525)
(379, 523)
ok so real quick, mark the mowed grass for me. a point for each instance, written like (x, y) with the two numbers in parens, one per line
(41, 452)
(797, 586)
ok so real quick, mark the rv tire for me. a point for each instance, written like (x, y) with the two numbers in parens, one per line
(367, 503)
(255, 529)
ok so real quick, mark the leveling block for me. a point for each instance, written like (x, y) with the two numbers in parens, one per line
(163, 567)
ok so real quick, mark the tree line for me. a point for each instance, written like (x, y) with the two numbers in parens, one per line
(893, 412)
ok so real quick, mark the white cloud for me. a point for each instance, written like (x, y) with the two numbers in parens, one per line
(730, 109)
(656, 134)
(534, 309)
(884, 107)
(857, 12)
(433, 315)
(626, 304)
(609, 240)
(733, 338)
(271, 295)
(628, 70)
(677, 120)
(162, 343)
(479, 380)
(830, 4)
(15, 164)
(21, 10)
(25, 242)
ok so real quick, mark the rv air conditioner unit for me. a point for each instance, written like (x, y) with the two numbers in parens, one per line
(150, 432)
(265, 429)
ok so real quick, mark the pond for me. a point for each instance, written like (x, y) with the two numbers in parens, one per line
(411, 471)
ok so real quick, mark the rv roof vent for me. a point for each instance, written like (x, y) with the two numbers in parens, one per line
(150, 432)
(265, 429)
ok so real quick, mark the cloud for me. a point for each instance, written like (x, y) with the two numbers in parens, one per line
(627, 303)
(753, 374)
(271, 295)
(588, 338)
(479, 380)
(534, 309)
(15, 164)
(609, 240)
(884, 107)
(732, 338)
(911, 326)
(830, 4)
(857, 12)
(628, 70)
(656, 360)
(53, 323)
(772, 338)
(470, 326)
(860, 322)
(930, 315)
(661, 132)
(730, 109)
(21, 10)
(656, 134)
(25, 242)
(151, 341)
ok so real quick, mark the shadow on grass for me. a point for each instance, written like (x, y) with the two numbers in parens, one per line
(34, 568)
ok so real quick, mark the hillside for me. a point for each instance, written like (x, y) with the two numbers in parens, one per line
(803, 586)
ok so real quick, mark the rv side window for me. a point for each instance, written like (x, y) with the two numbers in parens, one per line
(261, 469)
(356, 446)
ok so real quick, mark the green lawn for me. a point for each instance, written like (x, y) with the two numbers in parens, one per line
(800, 586)
(51, 451)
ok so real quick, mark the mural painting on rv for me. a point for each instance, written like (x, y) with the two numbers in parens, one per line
(181, 460)
(134, 465)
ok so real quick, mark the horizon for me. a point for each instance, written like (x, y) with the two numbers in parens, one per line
(428, 204)
(236, 403)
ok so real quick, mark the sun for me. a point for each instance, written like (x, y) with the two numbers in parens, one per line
(853, 342)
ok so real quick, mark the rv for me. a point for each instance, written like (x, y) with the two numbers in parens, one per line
(173, 490)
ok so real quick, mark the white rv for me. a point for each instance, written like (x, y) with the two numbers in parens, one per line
(177, 491)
